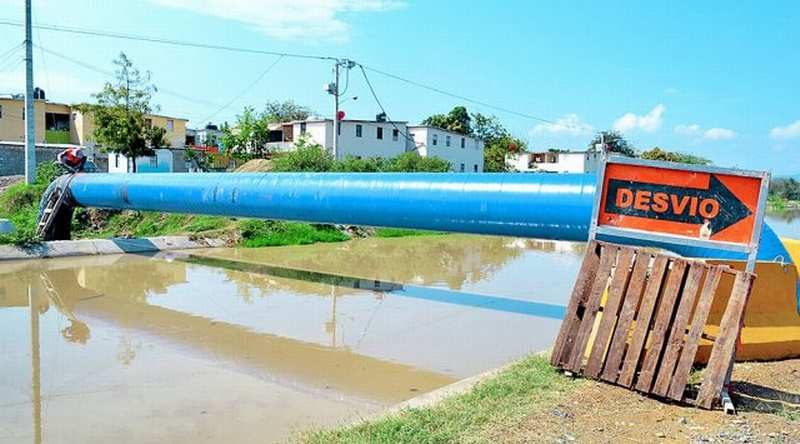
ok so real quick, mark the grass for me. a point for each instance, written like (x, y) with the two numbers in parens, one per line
(403, 232)
(476, 416)
(259, 233)
(19, 203)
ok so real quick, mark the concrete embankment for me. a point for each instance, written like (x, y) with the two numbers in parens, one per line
(94, 247)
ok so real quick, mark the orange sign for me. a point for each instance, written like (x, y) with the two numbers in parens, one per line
(704, 205)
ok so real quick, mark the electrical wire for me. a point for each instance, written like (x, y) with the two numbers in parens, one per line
(7, 59)
(383, 110)
(244, 91)
(108, 73)
(41, 52)
(10, 51)
(142, 38)
(460, 97)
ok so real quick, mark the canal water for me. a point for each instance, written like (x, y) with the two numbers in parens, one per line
(785, 223)
(255, 344)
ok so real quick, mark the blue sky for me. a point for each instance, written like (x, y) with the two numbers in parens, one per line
(717, 79)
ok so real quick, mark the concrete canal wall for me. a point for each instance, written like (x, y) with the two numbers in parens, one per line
(94, 247)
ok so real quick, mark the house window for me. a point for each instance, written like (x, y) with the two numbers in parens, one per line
(463, 143)
(148, 122)
(302, 128)
(339, 128)
(447, 140)
(380, 133)
(462, 167)
(435, 139)
(1, 111)
(170, 125)
(154, 161)
(359, 129)
(395, 134)
(475, 168)
(116, 160)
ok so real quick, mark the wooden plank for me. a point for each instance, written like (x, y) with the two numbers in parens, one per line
(686, 361)
(580, 292)
(665, 309)
(678, 330)
(632, 297)
(643, 318)
(607, 256)
(610, 311)
(725, 346)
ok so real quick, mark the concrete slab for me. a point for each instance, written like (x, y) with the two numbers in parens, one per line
(93, 247)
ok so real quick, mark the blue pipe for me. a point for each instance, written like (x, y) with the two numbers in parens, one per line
(544, 206)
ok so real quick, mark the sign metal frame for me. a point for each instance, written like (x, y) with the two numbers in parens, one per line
(750, 249)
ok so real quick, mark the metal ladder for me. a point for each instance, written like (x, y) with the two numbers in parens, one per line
(54, 202)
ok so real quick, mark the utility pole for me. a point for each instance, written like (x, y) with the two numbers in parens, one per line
(30, 118)
(336, 111)
(333, 89)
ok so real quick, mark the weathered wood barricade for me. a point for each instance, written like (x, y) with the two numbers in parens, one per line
(636, 317)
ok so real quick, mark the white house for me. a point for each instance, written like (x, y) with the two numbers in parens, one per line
(358, 138)
(555, 161)
(464, 153)
(208, 136)
(164, 161)
(377, 138)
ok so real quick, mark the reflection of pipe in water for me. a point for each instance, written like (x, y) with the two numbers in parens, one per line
(508, 305)
(36, 383)
(330, 326)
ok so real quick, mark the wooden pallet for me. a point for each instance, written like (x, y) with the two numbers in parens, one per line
(636, 317)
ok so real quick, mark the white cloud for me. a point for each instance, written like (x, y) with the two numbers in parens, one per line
(672, 91)
(694, 130)
(649, 122)
(790, 131)
(287, 19)
(688, 129)
(719, 134)
(569, 124)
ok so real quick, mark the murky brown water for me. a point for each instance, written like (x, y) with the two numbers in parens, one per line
(250, 345)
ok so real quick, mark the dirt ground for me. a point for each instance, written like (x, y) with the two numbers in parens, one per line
(7, 181)
(766, 395)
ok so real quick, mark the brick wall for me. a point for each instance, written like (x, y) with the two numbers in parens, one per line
(12, 158)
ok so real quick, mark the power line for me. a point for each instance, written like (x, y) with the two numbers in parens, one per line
(460, 97)
(100, 33)
(8, 56)
(142, 38)
(244, 91)
(44, 64)
(108, 73)
(383, 110)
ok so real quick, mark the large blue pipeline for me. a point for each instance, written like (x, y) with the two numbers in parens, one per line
(544, 206)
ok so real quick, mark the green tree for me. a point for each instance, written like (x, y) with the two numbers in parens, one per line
(412, 162)
(457, 120)
(120, 113)
(248, 137)
(496, 150)
(673, 156)
(615, 142)
(785, 188)
(286, 111)
(313, 157)
(488, 128)
(306, 156)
